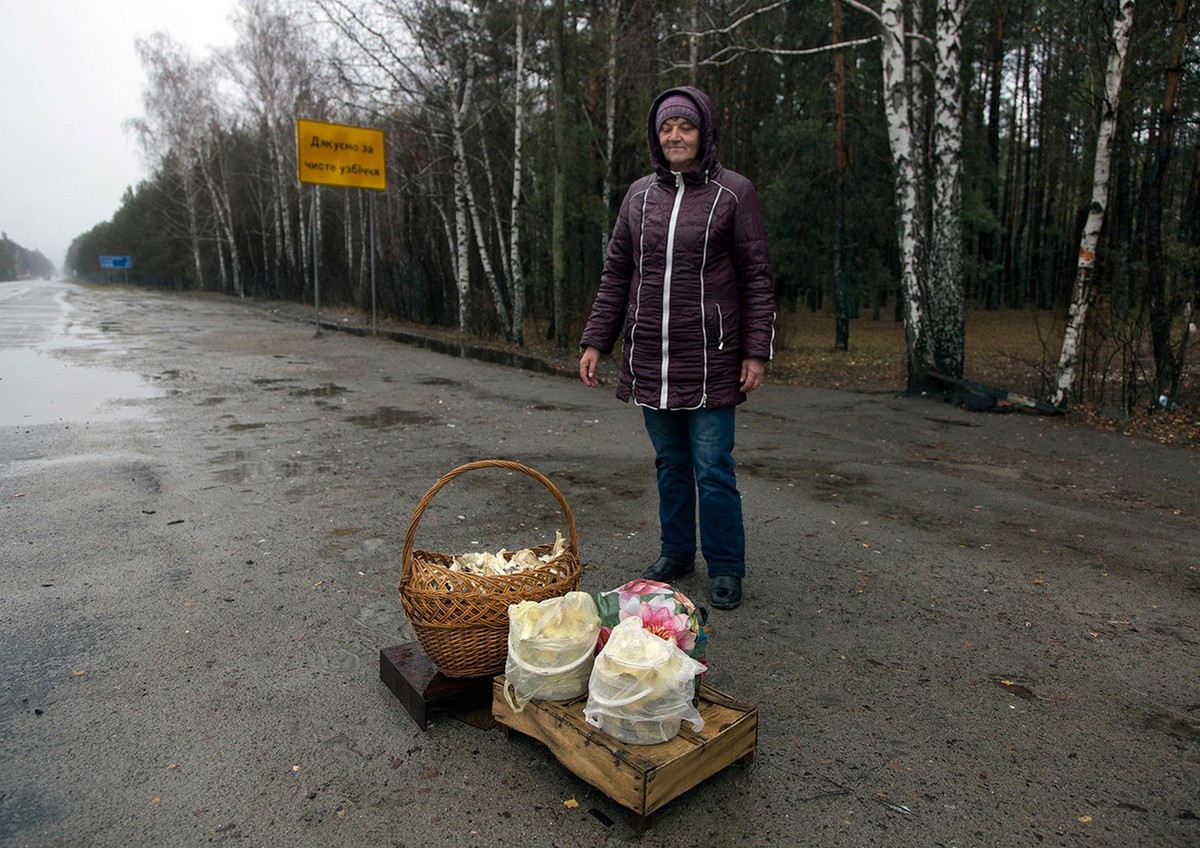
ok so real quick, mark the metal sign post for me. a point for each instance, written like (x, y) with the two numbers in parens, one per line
(340, 155)
(109, 262)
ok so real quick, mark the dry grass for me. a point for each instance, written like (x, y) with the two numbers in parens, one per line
(1016, 350)
(1008, 349)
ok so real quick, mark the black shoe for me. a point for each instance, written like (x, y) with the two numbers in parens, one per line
(665, 569)
(726, 592)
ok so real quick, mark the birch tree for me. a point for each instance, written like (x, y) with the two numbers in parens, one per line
(272, 65)
(929, 237)
(1068, 361)
(515, 275)
(167, 131)
(210, 156)
(946, 230)
(898, 108)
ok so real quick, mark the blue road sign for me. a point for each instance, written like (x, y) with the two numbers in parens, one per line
(116, 262)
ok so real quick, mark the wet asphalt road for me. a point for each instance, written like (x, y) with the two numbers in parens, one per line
(961, 629)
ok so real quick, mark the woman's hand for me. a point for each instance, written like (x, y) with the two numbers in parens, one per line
(587, 366)
(753, 371)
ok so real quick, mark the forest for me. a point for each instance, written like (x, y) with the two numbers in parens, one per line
(18, 263)
(916, 159)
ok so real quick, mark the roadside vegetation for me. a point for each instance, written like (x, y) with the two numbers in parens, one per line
(932, 161)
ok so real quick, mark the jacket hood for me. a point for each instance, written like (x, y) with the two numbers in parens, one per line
(706, 159)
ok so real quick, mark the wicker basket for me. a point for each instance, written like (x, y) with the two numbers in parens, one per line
(461, 620)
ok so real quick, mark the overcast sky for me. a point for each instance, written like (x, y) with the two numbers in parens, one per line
(69, 79)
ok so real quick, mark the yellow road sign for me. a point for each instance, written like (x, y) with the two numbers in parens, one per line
(340, 155)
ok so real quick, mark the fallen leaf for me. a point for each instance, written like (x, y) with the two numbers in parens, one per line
(1016, 688)
(395, 762)
(570, 803)
(1085, 819)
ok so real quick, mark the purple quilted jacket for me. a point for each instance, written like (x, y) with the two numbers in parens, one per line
(687, 280)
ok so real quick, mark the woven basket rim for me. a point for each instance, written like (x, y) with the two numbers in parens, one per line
(407, 558)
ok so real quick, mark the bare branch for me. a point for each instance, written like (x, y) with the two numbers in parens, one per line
(770, 7)
(733, 52)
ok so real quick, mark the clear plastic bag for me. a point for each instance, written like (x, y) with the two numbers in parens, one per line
(551, 646)
(642, 687)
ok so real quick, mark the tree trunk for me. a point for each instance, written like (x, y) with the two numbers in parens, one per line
(558, 225)
(515, 275)
(462, 235)
(485, 259)
(193, 224)
(1068, 361)
(610, 117)
(841, 336)
(988, 248)
(897, 100)
(1167, 369)
(946, 233)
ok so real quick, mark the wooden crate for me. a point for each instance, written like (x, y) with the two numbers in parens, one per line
(642, 778)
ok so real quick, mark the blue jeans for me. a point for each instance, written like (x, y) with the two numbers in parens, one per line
(693, 452)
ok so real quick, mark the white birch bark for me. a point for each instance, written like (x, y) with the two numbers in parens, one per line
(465, 112)
(897, 101)
(462, 230)
(208, 156)
(169, 129)
(1068, 361)
(945, 294)
(269, 62)
(193, 225)
(515, 275)
(223, 214)
(472, 205)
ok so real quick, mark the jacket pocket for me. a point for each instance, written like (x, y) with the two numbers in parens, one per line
(714, 326)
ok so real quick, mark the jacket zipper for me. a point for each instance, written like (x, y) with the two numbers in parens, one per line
(666, 295)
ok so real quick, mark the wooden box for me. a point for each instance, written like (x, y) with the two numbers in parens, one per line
(642, 778)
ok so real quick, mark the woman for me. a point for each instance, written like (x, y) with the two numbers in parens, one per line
(687, 283)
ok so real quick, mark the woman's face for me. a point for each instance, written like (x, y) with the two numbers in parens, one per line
(680, 140)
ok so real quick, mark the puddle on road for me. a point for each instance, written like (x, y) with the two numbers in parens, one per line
(388, 416)
(245, 469)
(37, 388)
(325, 391)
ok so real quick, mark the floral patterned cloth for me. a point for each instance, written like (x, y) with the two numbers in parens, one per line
(664, 611)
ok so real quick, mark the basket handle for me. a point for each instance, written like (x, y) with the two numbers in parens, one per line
(406, 556)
